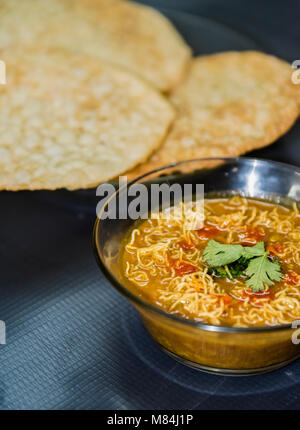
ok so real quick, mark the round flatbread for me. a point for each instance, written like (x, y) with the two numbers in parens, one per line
(229, 103)
(67, 120)
(132, 35)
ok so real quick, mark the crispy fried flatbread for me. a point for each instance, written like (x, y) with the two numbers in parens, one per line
(132, 35)
(229, 103)
(67, 120)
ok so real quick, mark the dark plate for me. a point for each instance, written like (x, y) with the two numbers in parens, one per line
(72, 341)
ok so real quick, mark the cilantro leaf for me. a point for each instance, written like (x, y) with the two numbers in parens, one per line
(262, 271)
(219, 272)
(236, 269)
(238, 260)
(219, 254)
(254, 251)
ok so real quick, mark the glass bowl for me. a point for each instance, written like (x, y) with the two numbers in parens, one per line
(216, 349)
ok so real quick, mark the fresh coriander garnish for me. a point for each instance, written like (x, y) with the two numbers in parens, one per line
(262, 271)
(237, 260)
(218, 254)
(235, 269)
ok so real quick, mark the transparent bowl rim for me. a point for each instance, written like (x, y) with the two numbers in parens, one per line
(148, 306)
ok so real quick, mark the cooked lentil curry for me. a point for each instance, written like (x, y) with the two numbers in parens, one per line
(163, 263)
